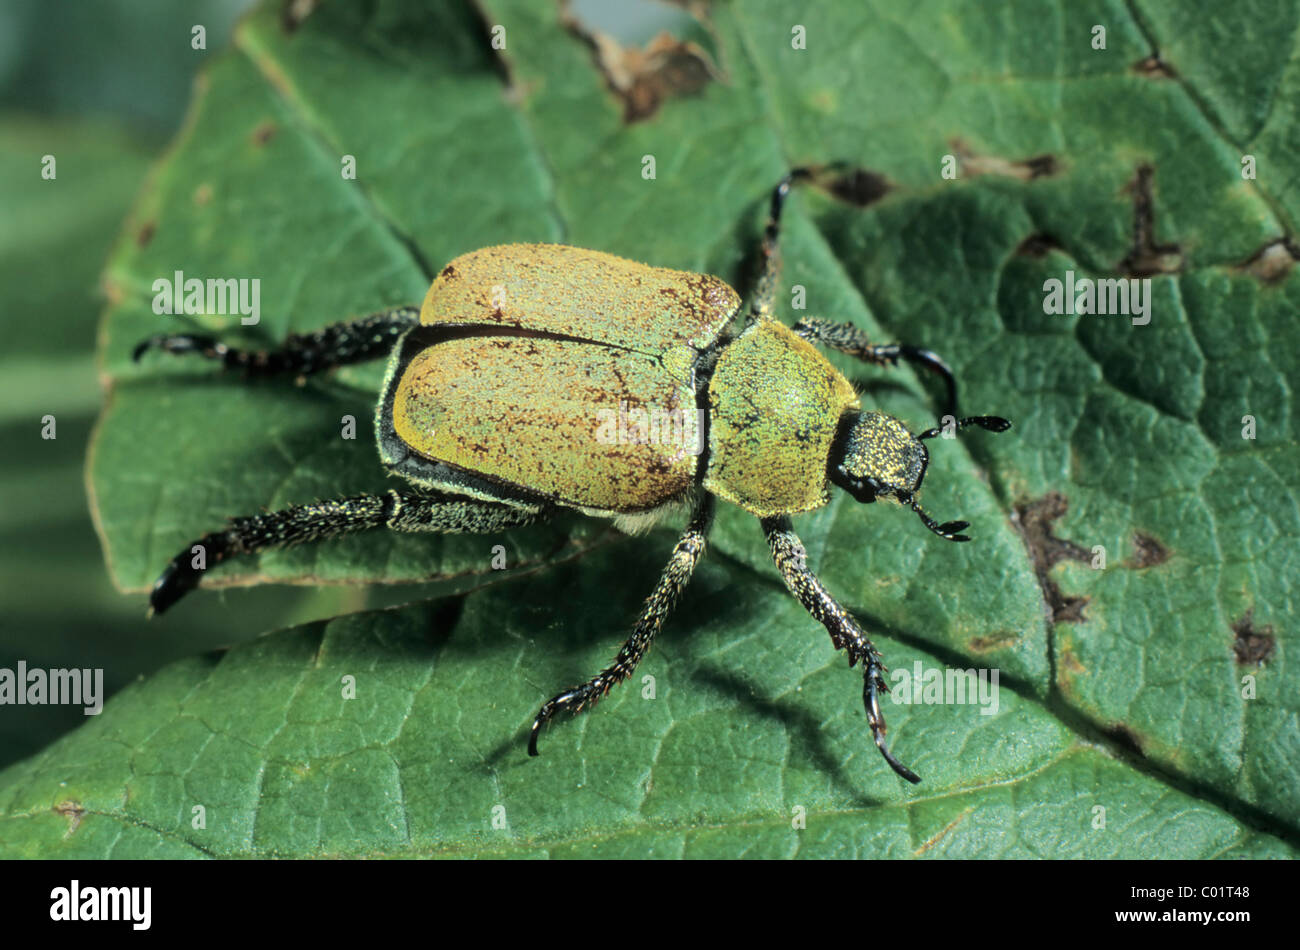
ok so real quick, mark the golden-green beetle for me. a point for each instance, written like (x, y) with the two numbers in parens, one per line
(539, 377)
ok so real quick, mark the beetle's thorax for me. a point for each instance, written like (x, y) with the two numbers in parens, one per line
(774, 407)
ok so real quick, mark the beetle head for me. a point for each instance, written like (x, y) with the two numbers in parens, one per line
(875, 456)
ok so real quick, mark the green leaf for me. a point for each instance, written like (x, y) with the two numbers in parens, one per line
(60, 608)
(1145, 709)
(751, 720)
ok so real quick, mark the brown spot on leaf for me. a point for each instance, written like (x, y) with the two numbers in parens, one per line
(112, 290)
(203, 194)
(1272, 262)
(859, 187)
(998, 641)
(643, 78)
(1037, 245)
(1040, 166)
(72, 811)
(1252, 647)
(264, 132)
(1153, 67)
(943, 832)
(294, 12)
(1034, 521)
(146, 232)
(1025, 169)
(1147, 551)
(1145, 256)
(1070, 663)
(449, 272)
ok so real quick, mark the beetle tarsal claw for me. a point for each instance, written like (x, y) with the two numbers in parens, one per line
(543, 717)
(532, 736)
(988, 423)
(872, 686)
(948, 530)
(991, 423)
(574, 700)
(179, 343)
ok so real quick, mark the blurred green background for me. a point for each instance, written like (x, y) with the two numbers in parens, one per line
(103, 85)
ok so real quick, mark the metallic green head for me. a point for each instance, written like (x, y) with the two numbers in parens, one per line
(875, 456)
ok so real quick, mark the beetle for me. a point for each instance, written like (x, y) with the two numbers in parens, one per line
(495, 385)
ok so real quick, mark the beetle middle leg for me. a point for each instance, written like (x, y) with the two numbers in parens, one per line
(301, 354)
(396, 510)
(850, 339)
(846, 633)
(676, 575)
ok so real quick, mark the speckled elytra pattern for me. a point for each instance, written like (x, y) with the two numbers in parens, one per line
(543, 414)
(588, 295)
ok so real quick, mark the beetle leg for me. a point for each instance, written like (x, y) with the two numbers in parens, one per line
(676, 575)
(764, 298)
(849, 339)
(846, 634)
(399, 511)
(352, 341)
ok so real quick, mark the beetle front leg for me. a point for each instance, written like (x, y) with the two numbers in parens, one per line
(351, 341)
(849, 339)
(846, 634)
(763, 302)
(764, 299)
(396, 510)
(675, 577)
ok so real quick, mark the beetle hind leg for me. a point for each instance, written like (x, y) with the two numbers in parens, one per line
(351, 341)
(676, 575)
(846, 634)
(396, 510)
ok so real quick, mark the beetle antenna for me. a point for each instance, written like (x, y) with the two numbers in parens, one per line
(991, 423)
(948, 530)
